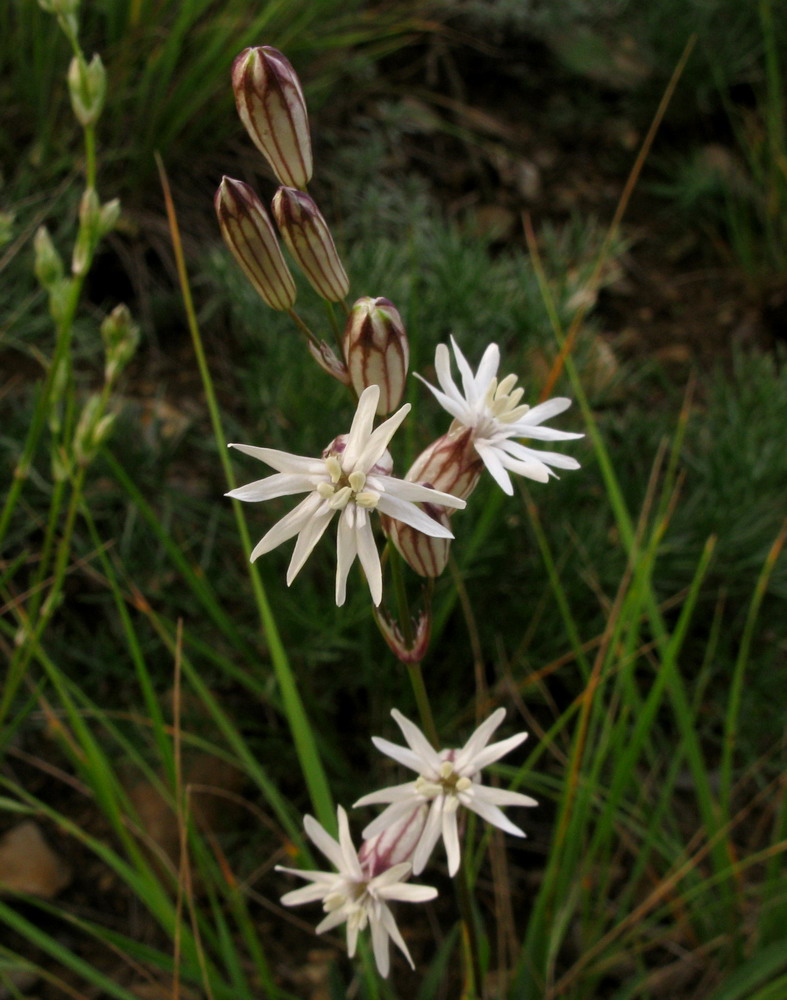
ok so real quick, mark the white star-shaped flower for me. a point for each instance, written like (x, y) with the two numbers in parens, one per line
(350, 895)
(353, 478)
(447, 780)
(492, 409)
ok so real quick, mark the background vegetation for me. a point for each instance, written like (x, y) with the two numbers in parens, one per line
(167, 717)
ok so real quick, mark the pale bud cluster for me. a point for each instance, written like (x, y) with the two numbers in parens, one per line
(87, 87)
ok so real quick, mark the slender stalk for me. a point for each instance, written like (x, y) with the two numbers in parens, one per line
(302, 733)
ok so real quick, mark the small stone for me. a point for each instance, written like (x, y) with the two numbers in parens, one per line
(28, 863)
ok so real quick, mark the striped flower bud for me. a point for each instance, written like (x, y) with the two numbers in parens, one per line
(309, 240)
(249, 233)
(396, 844)
(414, 650)
(449, 464)
(376, 350)
(271, 105)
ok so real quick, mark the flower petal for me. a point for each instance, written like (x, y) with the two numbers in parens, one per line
(491, 457)
(404, 490)
(546, 410)
(496, 750)
(323, 841)
(429, 837)
(402, 754)
(361, 427)
(495, 816)
(417, 742)
(451, 840)
(478, 740)
(280, 485)
(380, 438)
(368, 555)
(289, 525)
(408, 513)
(308, 537)
(282, 461)
(346, 551)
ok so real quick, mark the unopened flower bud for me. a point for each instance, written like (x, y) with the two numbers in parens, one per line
(89, 231)
(405, 651)
(92, 429)
(121, 336)
(250, 236)
(271, 105)
(108, 216)
(449, 464)
(87, 85)
(309, 240)
(376, 350)
(395, 845)
(326, 358)
(48, 262)
(428, 556)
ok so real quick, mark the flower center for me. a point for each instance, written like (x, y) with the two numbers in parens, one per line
(344, 489)
(502, 400)
(450, 783)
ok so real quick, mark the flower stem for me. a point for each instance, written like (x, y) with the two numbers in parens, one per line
(473, 985)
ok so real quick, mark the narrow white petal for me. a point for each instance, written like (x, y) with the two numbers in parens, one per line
(289, 525)
(442, 367)
(494, 816)
(522, 453)
(502, 796)
(390, 926)
(417, 742)
(546, 410)
(331, 921)
(487, 369)
(491, 457)
(282, 461)
(361, 427)
(351, 865)
(451, 841)
(522, 429)
(402, 754)
(380, 438)
(387, 817)
(478, 739)
(323, 841)
(352, 938)
(531, 468)
(408, 513)
(403, 794)
(306, 894)
(346, 551)
(282, 484)
(458, 408)
(380, 946)
(403, 490)
(429, 837)
(496, 750)
(310, 534)
(407, 893)
(389, 877)
(369, 556)
(327, 878)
